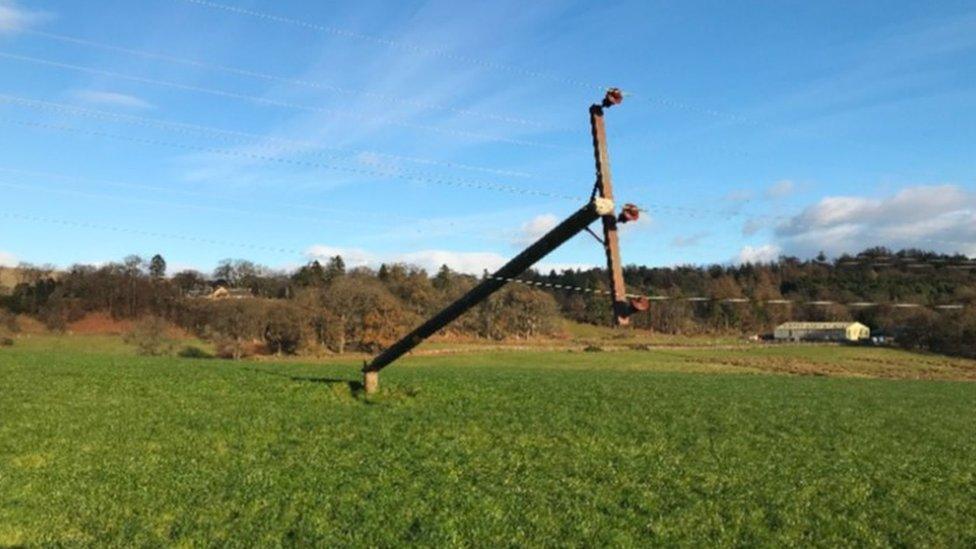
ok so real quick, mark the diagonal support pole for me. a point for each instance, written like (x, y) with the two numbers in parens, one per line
(569, 228)
(604, 189)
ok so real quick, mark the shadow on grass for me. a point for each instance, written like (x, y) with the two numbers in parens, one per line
(344, 387)
(354, 386)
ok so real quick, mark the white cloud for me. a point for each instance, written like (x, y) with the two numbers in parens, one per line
(780, 189)
(111, 99)
(758, 254)
(936, 217)
(430, 260)
(8, 259)
(535, 229)
(14, 18)
(353, 257)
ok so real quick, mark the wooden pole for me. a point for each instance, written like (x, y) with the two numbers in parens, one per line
(569, 228)
(604, 188)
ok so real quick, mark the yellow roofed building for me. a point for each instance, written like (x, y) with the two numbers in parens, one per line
(821, 331)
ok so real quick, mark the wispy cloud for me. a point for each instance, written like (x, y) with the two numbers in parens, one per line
(14, 18)
(938, 217)
(372, 121)
(432, 260)
(111, 99)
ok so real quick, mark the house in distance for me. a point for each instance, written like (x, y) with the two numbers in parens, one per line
(821, 331)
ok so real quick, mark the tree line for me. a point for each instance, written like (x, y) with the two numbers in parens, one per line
(876, 275)
(329, 308)
(318, 308)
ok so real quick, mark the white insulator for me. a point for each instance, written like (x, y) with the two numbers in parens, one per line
(603, 206)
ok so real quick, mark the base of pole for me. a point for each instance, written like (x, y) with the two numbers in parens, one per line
(371, 382)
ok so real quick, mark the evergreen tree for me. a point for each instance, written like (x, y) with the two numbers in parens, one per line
(157, 266)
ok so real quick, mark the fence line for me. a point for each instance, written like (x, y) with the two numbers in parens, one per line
(733, 300)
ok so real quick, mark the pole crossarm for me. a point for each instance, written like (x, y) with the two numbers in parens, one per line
(569, 228)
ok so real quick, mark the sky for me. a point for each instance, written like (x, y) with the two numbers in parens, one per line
(448, 132)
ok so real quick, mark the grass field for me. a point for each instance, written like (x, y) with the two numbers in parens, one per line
(543, 447)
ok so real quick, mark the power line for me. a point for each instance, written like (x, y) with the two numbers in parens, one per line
(402, 45)
(154, 202)
(247, 213)
(398, 173)
(157, 188)
(277, 103)
(426, 224)
(240, 136)
(299, 163)
(154, 234)
(410, 176)
(185, 128)
(428, 105)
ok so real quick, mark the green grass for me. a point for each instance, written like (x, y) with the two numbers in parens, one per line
(501, 448)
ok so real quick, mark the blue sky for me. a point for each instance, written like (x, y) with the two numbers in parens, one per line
(432, 132)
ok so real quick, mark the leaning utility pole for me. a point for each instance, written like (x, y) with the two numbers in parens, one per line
(600, 206)
(604, 189)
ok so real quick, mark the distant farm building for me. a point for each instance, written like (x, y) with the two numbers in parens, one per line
(822, 331)
(220, 291)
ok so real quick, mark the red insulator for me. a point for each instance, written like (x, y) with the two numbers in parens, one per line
(629, 213)
(640, 304)
(614, 97)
